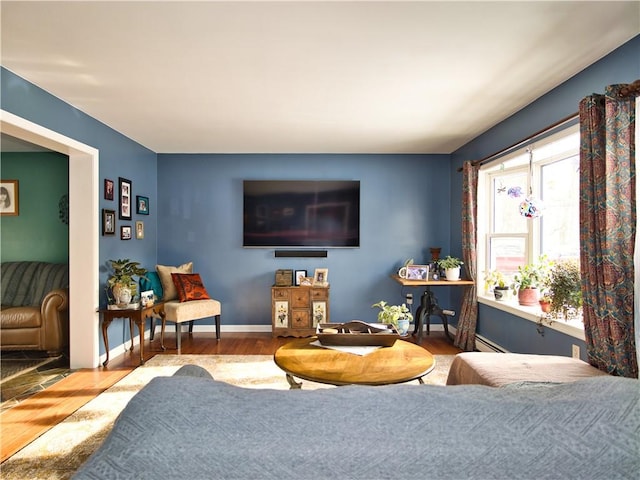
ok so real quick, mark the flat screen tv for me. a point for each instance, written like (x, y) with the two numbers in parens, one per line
(301, 213)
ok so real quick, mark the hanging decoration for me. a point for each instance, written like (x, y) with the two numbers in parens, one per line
(515, 192)
(531, 207)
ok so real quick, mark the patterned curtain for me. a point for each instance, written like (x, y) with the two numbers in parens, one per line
(466, 330)
(608, 228)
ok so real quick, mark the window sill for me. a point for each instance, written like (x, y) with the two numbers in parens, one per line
(573, 328)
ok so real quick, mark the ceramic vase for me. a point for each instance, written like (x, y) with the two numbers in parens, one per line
(403, 326)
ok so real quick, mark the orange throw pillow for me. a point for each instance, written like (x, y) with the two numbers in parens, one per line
(189, 287)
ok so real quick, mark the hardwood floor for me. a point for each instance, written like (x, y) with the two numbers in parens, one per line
(22, 424)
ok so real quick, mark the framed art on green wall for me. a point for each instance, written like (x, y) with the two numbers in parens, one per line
(9, 198)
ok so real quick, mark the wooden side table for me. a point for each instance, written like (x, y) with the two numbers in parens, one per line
(135, 315)
(429, 304)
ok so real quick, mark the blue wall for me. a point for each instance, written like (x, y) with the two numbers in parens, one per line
(404, 210)
(409, 203)
(119, 157)
(620, 66)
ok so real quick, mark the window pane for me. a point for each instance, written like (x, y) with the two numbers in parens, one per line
(560, 229)
(508, 192)
(506, 254)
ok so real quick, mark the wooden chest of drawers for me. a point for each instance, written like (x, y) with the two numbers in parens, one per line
(295, 311)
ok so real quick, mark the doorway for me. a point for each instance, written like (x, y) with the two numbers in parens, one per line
(83, 248)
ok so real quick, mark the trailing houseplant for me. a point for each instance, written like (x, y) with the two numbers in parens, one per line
(397, 315)
(121, 283)
(565, 287)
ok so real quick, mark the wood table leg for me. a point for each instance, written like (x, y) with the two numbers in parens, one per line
(140, 322)
(131, 331)
(106, 321)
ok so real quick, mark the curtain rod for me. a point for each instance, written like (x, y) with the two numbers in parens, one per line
(523, 141)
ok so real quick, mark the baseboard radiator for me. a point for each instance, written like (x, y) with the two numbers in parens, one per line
(485, 345)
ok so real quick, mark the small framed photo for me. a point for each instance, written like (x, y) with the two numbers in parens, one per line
(417, 272)
(321, 277)
(139, 230)
(108, 189)
(125, 199)
(125, 232)
(299, 275)
(108, 222)
(9, 198)
(142, 205)
(146, 298)
(306, 281)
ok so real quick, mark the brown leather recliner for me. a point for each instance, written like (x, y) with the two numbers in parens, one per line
(34, 314)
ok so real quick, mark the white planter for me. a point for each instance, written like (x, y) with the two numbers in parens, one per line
(452, 274)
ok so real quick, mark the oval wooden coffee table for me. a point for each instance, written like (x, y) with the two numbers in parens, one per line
(400, 363)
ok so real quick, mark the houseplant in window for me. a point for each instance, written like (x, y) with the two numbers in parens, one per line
(565, 287)
(451, 266)
(529, 279)
(495, 281)
(121, 283)
(397, 315)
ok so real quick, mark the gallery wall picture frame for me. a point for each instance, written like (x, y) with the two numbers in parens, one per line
(125, 232)
(108, 189)
(125, 188)
(417, 272)
(139, 230)
(299, 275)
(142, 205)
(108, 222)
(321, 277)
(9, 198)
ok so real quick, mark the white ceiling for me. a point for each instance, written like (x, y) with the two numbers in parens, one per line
(307, 77)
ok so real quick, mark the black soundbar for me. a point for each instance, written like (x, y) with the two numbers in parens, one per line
(301, 253)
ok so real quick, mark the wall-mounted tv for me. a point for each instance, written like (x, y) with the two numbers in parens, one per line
(301, 213)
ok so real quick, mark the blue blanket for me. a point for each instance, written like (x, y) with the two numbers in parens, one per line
(185, 427)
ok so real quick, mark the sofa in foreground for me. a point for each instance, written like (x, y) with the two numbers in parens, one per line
(34, 314)
(192, 427)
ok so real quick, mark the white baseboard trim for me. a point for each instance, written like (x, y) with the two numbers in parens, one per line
(124, 348)
(485, 345)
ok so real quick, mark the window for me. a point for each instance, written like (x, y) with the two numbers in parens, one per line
(547, 169)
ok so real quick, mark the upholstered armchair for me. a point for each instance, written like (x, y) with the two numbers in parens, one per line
(185, 300)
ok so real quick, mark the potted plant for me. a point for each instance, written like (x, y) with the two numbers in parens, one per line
(496, 281)
(529, 278)
(451, 266)
(545, 301)
(397, 315)
(121, 283)
(566, 289)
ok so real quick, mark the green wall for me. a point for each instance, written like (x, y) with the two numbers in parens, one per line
(37, 233)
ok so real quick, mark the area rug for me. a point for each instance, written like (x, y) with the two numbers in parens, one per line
(58, 453)
(13, 364)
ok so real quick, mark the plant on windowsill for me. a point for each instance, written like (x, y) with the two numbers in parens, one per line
(495, 281)
(529, 279)
(121, 284)
(451, 266)
(566, 291)
(397, 315)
